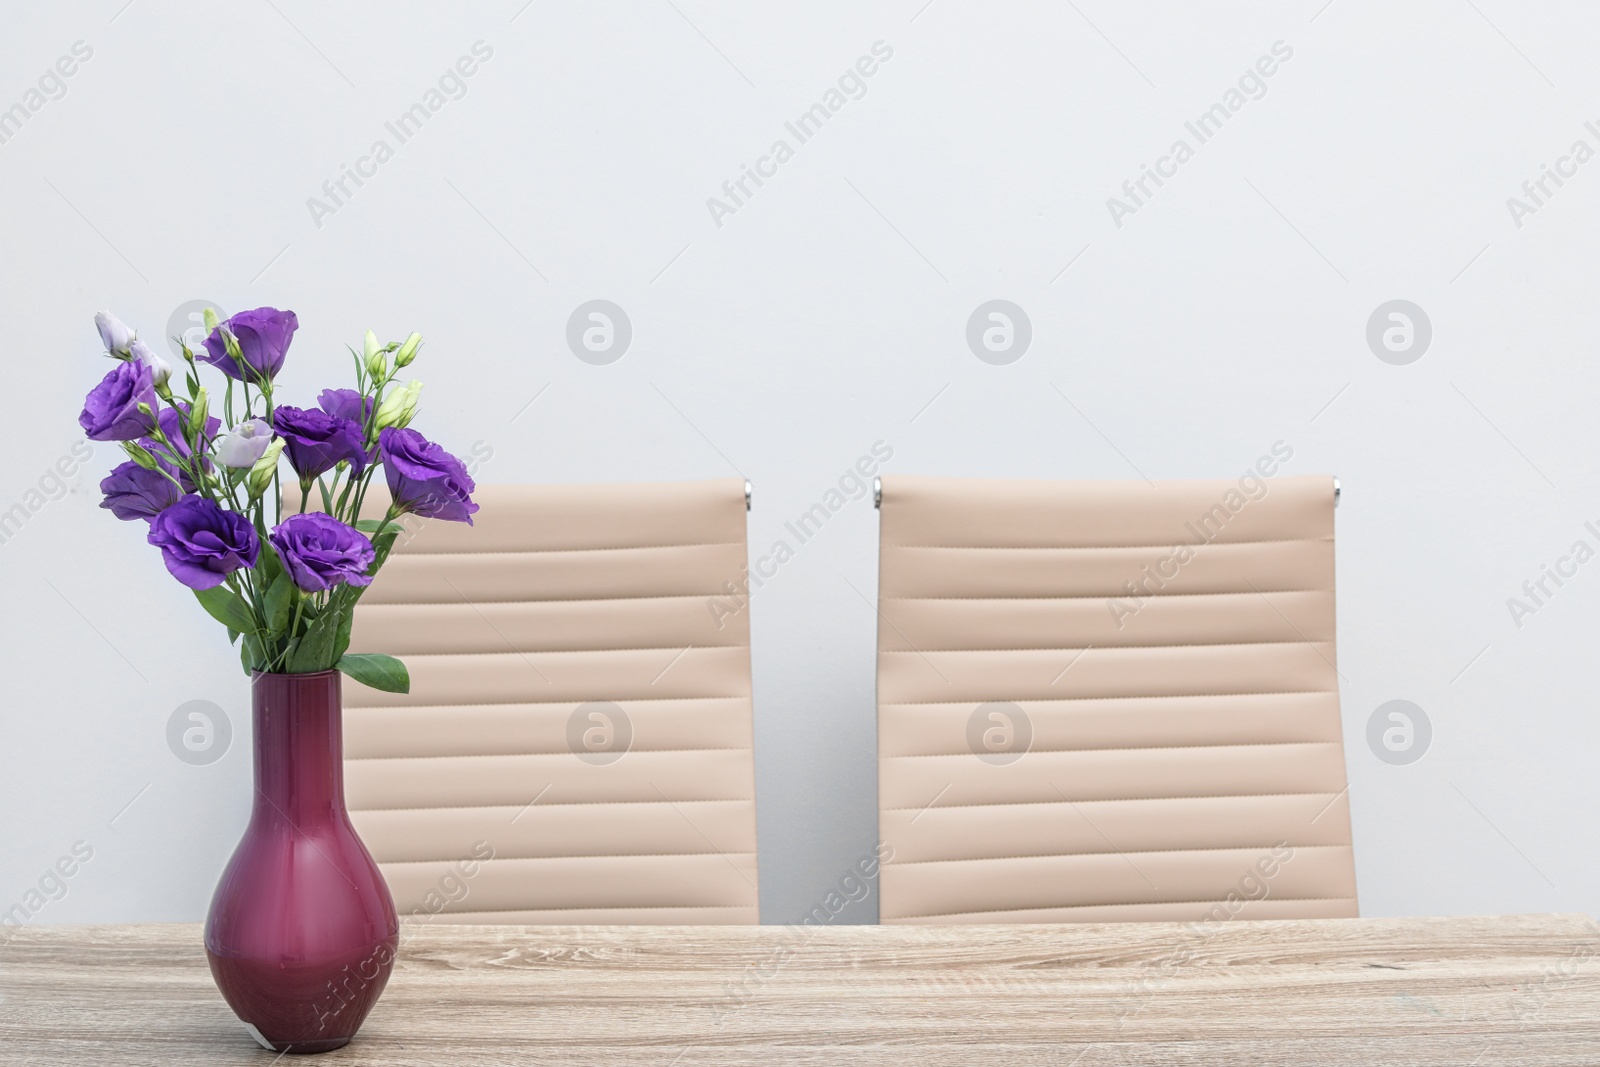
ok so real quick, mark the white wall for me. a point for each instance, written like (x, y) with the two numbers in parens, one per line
(1227, 313)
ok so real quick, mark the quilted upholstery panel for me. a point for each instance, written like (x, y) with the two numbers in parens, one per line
(517, 631)
(1107, 701)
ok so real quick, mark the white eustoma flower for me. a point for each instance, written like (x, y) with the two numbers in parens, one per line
(245, 445)
(160, 369)
(114, 333)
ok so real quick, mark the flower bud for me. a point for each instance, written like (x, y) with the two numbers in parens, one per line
(399, 406)
(160, 369)
(245, 445)
(139, 455)
(408, 351)
(210, 317)
(373, 353)
(198, 410)
(264, 468)
(114, 334)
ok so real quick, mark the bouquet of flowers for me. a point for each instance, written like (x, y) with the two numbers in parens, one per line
(210, 488)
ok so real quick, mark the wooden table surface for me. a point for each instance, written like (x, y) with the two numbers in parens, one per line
(1374, 992)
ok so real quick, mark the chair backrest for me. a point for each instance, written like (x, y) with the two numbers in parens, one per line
(1109, 701)
(576, 745)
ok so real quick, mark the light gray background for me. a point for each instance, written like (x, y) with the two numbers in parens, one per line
(830, 312)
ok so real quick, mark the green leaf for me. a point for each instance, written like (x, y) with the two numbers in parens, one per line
(368, 526)
(224, 605)
(382, 545)
(377, 670)
(314, 650)
(281, 595)
(233, 636)
(341, 637)
(251, 654)
(267, 564)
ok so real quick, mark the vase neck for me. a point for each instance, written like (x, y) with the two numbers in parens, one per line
(299, 747)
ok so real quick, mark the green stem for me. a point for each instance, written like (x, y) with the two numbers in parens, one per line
(344, 498)
(361, 494)
(243, 591)
(282, 658)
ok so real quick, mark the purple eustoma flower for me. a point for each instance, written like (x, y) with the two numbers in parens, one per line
(111, 410)
(349, 404)
(201, 543)
(424, 479)
(132, 492)
(345, 404)
(263, 335)
(315, 440)
(320, 552)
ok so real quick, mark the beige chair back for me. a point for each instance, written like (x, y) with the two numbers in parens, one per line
(1109, 701)
(579, 710)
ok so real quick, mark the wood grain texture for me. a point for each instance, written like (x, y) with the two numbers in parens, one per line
(1456, 992)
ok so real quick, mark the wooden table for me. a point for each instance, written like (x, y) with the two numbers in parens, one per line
(1374, 992)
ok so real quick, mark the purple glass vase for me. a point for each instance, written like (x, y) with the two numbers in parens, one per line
(302, 931)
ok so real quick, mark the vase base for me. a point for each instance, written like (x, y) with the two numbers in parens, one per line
(295, 1048)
